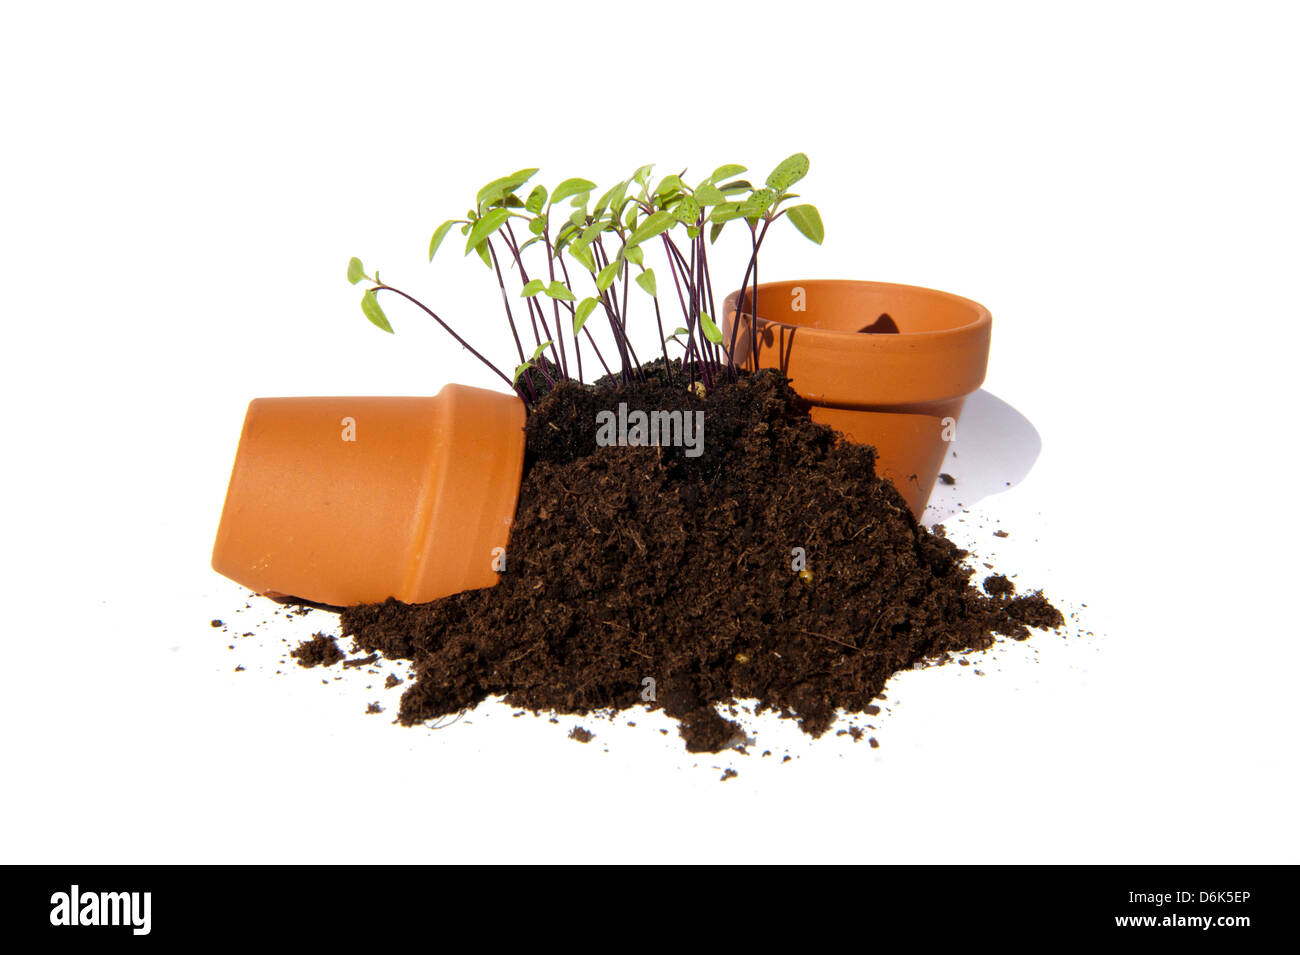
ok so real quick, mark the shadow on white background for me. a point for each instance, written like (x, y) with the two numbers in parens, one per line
(995, 449)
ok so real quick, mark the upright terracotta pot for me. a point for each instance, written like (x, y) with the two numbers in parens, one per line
(353, 500)
(902, 392)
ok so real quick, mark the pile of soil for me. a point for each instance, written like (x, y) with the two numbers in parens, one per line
(642, 575)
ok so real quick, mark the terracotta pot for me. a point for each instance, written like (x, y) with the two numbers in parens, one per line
(901, 393)
(353, 500)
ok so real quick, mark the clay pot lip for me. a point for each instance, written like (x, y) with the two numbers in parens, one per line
(834, 338)
(847, 369)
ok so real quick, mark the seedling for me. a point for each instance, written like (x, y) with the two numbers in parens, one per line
(607, 243)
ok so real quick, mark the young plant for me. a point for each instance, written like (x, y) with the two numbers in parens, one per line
(607, 243)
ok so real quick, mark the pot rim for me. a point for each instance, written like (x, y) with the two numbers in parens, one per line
(848, 369)
(982, 316)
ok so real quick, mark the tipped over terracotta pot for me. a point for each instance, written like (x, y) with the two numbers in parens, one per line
(354, 500)
(897, 383)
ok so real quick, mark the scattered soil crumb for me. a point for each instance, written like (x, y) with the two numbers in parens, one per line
(392, 681)
(374, 708)
(361, 661)
(999, 585)
(320, 650)
(581, 734)
(728, 773)
(947, 479)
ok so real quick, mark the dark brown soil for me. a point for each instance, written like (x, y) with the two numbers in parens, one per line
(884, 325)
(641, 575)
(998, 585)
(320, 650)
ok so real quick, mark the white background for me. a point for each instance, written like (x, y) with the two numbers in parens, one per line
(181, 192)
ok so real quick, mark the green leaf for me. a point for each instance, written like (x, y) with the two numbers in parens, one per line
(715, 230)
(758, 203)
(685, 210)
(589, 234)
(642, 174)
(370, 307)
(647, 281)
(808, 221)
(535, 287)
(707, 194)
(711, 331)
(356, 271)
(497, 190)
(668, 184)
(537, 352)
(484, 253)
(725, 212)
(726, 172)
(633, 254)
(731, 188)
(536, 200)
(583, 256)
(613, 200)
(491, 220)
(519, 371)
(654, 224)
(559, 290)
(789, 172)
(537, 226)
(571, 187)
(607, 275)
(439, 234)
(583, 312)
(579, 217)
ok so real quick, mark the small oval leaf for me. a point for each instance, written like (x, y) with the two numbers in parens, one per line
(726, 172)
(654, 224)
(807, 220)
(711, 331)
(647, 281)
(370, 308)
(498, 189)
(491, 220)
(536, 200)
(439, 234)
(561, 291)
(790, 171)
(607, 275)
(356, 271)
(708, 194)
(583, 312)
(571, 187)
